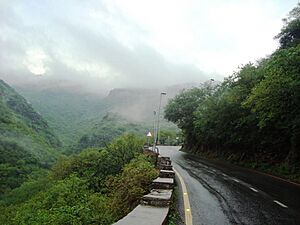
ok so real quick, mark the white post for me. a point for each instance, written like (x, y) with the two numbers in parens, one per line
(158, 117)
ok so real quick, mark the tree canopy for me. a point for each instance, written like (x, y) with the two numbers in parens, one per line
(254, 113)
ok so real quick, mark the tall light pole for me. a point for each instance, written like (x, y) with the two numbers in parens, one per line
(158, 117)
(154, 128)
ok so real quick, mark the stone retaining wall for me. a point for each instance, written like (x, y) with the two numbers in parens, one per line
(154, 207)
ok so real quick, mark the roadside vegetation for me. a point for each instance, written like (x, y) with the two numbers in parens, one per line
(94, 170)
(174, 217)
(97, 186)
(253, 117)
(97, 181)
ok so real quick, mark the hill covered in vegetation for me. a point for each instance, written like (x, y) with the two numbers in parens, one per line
(39, 185)
(75, 113)
(111, 126)
(26, 141)
(69, 111)
(87, 188)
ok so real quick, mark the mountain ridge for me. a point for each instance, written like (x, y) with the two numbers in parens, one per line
(27, 144)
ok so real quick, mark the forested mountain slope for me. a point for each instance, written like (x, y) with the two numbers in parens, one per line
(68, 111)
(26, 141)
(111, 126)
(73, 112)
(87, 188)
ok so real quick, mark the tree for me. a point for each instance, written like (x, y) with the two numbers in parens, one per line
(180, 110)
(69, 201)
(276, 101)
(127, 188)
(96, 164)
(290, 33)
(221, 122)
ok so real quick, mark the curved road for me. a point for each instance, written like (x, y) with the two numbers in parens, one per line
(224, 194)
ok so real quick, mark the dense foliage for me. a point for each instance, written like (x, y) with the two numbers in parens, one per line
(112, 125)
(26, 142)
(170, 137)
(127, 188)
(103, 132)
(290, 33)
(96, 164)
(255, 113)
(75, 114)
(70, 113)
(98, 186)
(79, 189)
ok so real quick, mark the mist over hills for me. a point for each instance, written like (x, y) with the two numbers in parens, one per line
(54, 119)
(27, 143)
(69, 113)
(40, 83)
(72, 110)
(138, 104)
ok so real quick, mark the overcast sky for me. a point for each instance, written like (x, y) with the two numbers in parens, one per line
(129, 43)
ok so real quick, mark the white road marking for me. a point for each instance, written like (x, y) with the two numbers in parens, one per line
(236, 180)
(253, 189)
(186, 201)
(281, 204)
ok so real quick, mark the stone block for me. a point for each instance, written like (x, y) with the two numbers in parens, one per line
(158, 197)
(145, 215)
(165, 167)
(162, 183)
(164, 160)
(166, 173)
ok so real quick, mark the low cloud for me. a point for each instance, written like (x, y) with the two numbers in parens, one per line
(110, 43)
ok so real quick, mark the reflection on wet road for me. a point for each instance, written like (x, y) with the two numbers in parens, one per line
(223, 195)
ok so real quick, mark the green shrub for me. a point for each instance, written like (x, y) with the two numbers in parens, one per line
(127, 188)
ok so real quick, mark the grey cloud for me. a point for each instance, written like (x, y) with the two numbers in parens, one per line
(65, 29)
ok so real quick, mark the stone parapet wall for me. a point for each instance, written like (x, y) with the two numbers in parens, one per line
(154, 207)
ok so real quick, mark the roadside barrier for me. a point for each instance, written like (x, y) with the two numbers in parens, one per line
(154, 207)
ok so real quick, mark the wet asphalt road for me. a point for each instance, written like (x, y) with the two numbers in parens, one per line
(224, 194)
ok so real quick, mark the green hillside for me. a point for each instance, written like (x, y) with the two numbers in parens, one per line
(111, 126)
(69, 113)
(26, 142)
(76, 115)
(86, 188)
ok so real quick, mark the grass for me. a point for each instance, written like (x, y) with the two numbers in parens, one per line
(174, 217)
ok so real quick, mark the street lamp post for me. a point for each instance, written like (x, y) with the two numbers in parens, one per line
(158, 117)
(154, 128)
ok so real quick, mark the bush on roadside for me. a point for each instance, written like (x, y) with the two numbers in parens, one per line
(127, 188)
